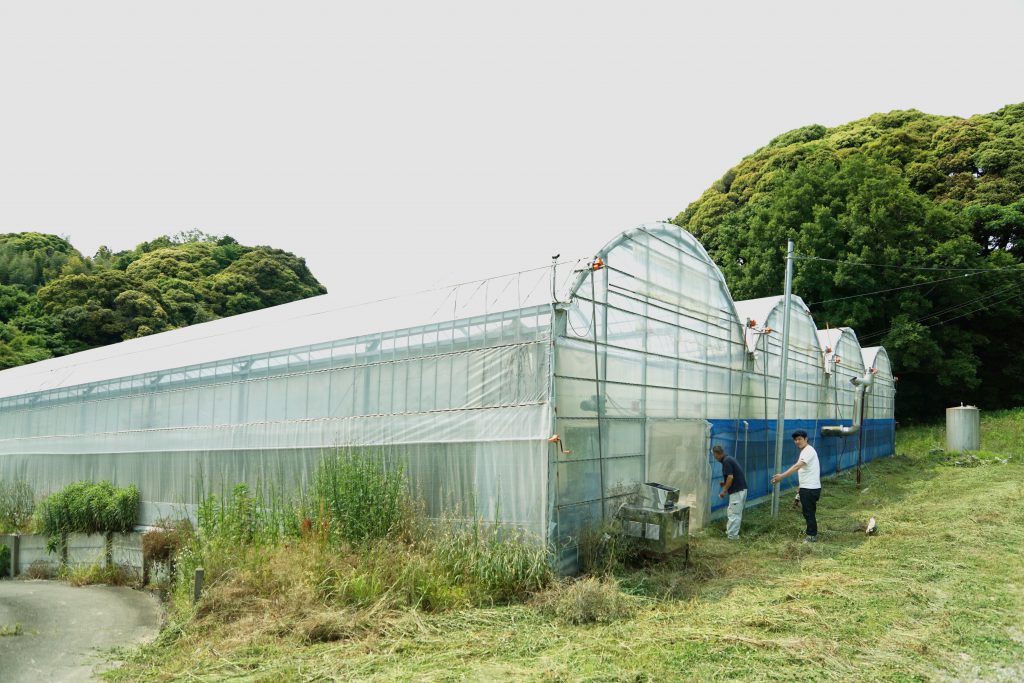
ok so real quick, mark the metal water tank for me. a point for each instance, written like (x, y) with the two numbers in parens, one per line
(963, 428)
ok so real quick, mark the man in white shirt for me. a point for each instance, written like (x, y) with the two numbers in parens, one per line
(810, 482)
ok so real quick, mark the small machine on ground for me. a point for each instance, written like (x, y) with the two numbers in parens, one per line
(658, 521)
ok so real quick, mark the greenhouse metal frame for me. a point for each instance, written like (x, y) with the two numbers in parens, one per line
(635, 357)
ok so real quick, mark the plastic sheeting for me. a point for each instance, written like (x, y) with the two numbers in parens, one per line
(806, 380)
(639, 365)
(881, 400)
(463, 405)
(653, 335)
(843, 362)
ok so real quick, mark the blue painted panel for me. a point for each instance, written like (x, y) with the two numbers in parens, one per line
(754, 447)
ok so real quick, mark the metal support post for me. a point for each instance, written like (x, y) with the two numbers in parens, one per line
(780, 422)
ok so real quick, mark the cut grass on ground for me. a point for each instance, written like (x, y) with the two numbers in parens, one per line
(937, 594)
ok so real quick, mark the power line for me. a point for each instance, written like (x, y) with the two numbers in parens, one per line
(977, 310)
(893, 289)
(951, 309)
(889, 265)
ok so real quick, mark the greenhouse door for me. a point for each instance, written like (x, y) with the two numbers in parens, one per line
(677, 455)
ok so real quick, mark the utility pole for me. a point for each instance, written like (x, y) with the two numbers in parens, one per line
(780, 422)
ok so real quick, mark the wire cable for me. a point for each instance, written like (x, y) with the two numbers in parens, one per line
(896, 267)
(952, 309)
(961, 305)
(893, 289)
(949, 309)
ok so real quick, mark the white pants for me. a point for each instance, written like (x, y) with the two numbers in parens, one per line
(735, 513)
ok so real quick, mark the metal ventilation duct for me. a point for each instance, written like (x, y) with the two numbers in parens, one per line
(863, 385)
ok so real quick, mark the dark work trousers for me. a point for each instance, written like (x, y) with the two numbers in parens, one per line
(809, 504)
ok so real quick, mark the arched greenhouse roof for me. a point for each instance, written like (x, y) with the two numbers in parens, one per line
(678, 247)
(841, 342)
(876, 357)
(759, 310)
(332, 317)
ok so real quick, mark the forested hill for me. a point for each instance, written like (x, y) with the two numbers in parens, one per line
(925, 200)
(55, 301)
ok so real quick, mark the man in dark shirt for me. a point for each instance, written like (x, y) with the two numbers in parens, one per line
(734, 485)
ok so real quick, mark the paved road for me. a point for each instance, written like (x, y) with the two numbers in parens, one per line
(64, 629)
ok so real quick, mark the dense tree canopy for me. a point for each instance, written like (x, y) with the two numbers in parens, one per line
(54, 301)
(908, 227)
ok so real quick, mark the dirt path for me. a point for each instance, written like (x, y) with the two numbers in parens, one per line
(64, 628)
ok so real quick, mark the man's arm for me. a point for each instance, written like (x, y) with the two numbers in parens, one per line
(725, 486)
(779, 477)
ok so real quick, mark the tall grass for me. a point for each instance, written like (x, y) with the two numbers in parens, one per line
(502, 564)
(356, 540)
(248, 517)
(358, 498)
(17, 505)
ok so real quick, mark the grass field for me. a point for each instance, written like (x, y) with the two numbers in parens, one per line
(937, 594)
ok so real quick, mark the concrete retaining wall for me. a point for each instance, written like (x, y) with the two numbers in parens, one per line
(82, 551)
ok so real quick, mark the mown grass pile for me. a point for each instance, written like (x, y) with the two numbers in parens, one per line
(937, 594)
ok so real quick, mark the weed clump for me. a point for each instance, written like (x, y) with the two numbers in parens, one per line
(502, 564)
(161, 545)
(605, 549)
(40, 569)
(589, 600)
(332, 563)
(94, 574)
(17, 505)
(971, 458)
(358, 498)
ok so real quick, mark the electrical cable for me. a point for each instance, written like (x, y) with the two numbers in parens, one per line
(893, 289)
(889, 265)
(955, 307)
(952, 309)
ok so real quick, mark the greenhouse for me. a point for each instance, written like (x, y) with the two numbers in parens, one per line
(763, 322)
(818, 393)
(539, 399)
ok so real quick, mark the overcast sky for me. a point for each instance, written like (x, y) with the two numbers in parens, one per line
(398, 145)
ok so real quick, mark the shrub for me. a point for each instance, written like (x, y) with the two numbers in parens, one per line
(40, 569)
(17, 503)
(87, 508)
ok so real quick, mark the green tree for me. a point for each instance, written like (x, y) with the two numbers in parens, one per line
(32, 259)
(886, 212)
(102, 308)
(54, 301)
